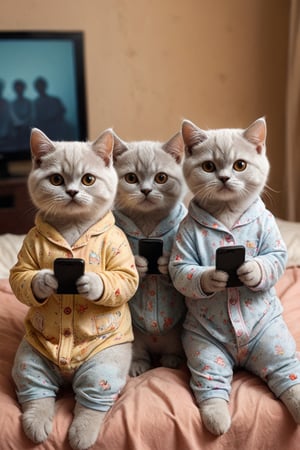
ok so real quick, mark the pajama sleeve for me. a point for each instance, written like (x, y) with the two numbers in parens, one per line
(24, 270)
(272, 254)
(120, 277)
(185, 265)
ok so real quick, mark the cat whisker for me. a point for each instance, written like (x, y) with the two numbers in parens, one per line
(269, 188)
(31, 210)
(267, 194)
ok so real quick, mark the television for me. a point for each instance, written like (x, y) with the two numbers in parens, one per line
(42, 85)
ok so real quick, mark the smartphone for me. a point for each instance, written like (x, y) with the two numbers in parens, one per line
(229, 259)
(67, 271)
(151, 249)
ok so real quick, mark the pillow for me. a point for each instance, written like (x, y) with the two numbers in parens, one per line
(291, 234)
(10, 245)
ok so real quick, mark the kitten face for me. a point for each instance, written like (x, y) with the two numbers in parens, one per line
(150, 174)
(225, 165)
(72, 179)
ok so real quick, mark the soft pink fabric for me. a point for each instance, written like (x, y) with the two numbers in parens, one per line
(156, 411)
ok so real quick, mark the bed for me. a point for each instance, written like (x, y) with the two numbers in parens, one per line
(156, 411)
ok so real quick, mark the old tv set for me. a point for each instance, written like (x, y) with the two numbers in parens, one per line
(42, 85)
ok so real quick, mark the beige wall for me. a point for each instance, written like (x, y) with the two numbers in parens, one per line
(150, 63)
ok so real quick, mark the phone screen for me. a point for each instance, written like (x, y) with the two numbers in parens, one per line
(67, 271)
(151, 249)
(229, 259)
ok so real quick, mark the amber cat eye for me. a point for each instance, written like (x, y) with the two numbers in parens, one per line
(88, 179)
(240, 165)
(161, 178)
(131, 178)
(208, 166)
(56, 179)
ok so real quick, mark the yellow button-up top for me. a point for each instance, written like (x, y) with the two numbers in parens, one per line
(68, 329)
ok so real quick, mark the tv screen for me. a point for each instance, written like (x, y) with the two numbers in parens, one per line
(41, 85)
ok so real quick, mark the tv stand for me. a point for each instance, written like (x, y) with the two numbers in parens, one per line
(4, 172)
(16, 209)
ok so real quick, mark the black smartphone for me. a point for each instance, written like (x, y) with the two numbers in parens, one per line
(67, 271)
(229, 259)
(151, 249)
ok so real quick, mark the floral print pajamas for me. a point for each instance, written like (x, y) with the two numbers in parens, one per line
(68, 336)
(157, 306)
(238, 327)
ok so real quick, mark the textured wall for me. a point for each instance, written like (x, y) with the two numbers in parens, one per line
(150, 63)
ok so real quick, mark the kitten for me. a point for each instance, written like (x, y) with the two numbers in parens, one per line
(83, 338)
(148, 205)
(227, 170)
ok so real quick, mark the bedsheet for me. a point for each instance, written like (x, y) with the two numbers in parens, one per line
(157, 411)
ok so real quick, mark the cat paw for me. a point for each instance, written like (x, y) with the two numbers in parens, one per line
(141, 265)
(215, 415)
(250, 273)
(37, 418)
(291, 399)
(163, 264)
(44, 284)
(139, 366)
(213, 280)
(85, 427)
(171, 361)
(90, 286)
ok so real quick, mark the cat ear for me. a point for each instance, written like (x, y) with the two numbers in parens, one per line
(119, 146)
(256, 133)
(192, 135)
(40, 145)
(104, 145)
(175, 147)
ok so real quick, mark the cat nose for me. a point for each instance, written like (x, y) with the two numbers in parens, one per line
(224, 179)
(146, 191)
(72, 193)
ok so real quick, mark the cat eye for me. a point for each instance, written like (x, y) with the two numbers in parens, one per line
(240, 165)
(56, 179)
(208, 166)
(161, 178)
(88, 179)
(131, 178)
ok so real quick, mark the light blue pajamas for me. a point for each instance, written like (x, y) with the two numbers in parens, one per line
(96, 384)
(238, 327)
(156, 306)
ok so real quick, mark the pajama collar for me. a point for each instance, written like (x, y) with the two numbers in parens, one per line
(167, 224)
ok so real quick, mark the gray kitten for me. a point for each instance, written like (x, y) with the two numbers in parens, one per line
(236, 326)
(148, 205)
(80, 337)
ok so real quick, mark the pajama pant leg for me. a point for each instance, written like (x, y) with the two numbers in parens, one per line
(35, 376)
(98, 382)
(273, 357)
(210, 365)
